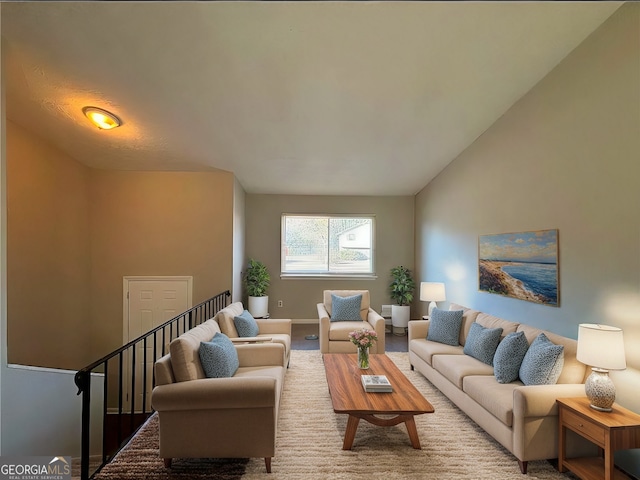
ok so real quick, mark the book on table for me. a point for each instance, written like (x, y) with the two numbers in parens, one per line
(376, 383)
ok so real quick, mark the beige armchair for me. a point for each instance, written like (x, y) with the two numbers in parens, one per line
(334, 336)
(233, 417)
(276, 330)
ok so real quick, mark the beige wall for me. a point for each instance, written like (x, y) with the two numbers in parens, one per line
(393, 243)
(566, 156)
(156, 223)
(48, 286)
(238, 240)
(75, 232)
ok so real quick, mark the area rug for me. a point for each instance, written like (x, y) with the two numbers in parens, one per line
(310, 434)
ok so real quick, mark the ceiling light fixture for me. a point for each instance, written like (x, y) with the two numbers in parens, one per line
(101, 118)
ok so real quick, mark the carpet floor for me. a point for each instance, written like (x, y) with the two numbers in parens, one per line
(310, 434)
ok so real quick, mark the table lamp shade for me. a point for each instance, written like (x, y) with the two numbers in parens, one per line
(601, 346)
(432, 292)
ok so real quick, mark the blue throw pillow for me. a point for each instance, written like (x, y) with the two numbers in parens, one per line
(543, 362)
(482, 342)
(219, 357)
(346, 308)
(246, 325)
(444, 326)
(509, 355)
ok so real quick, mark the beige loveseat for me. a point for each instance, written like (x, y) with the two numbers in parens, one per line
(278, 330)
(334, 336)
(233, 417)
(524, 419)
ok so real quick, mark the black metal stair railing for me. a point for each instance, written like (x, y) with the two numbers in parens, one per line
(126, 399)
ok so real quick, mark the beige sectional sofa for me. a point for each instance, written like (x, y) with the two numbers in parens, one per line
(523, 418)
(278, 330)
(233, 417)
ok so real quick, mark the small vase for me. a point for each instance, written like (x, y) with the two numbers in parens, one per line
(363, 357)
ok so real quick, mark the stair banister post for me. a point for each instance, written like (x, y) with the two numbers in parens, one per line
(83, 382)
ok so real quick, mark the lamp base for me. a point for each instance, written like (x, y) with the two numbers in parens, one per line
(600, 390)
(432, 305)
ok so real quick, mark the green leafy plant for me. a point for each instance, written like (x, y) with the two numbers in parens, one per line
(402, 285)
(256, 279)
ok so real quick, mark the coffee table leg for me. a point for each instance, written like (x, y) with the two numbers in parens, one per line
(413, 432)
(350, 433)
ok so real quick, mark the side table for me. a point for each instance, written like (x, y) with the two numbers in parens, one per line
(616, 430)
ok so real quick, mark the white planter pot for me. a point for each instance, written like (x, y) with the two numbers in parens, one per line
(400, 315)
(258, 306)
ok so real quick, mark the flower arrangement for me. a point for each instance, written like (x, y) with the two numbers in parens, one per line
(363, 338)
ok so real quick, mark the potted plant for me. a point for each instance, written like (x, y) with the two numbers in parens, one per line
(256, 281)
(402, 288)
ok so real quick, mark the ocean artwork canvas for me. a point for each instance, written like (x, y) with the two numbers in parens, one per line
(521, 265)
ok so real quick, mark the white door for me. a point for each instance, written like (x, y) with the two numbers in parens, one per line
(149, 302)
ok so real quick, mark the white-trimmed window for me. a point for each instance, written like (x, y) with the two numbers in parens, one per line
(327, 245)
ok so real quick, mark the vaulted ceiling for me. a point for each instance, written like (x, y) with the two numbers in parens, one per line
(323, 98)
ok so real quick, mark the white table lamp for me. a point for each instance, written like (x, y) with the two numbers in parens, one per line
(432, 292)
(602, 348)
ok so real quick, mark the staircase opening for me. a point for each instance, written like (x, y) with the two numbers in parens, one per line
(108, 419)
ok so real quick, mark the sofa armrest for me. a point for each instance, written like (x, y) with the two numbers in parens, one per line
(325, 323)
(377, 322)
(261, 354)
(279, 325)
(241, 340)
(322, 312)
(540, 400)
(418, 329)
(215, 393)
(375, 319)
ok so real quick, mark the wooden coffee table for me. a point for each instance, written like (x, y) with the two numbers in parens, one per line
(348, 395)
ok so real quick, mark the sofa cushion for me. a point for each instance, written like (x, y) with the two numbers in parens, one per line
(573, 371)
(468, 317)
(426, 349)
(364, 304)
(340, 330)
(346, 309)
(456, 367)
(444, 326)
(225, 319)
(542, 363)
(482, 342)
(185, 359)
(489, 321)
(246, 325)
(509, 356)
(494, 397)
(219, 357)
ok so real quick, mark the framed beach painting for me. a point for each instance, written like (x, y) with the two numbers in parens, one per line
(520, 265)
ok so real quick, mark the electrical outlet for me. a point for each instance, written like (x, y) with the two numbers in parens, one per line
(280, 303)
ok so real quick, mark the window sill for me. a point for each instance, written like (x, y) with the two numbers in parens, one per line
(327, 276)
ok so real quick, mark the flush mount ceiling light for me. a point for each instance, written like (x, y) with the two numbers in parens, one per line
(101, 118)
